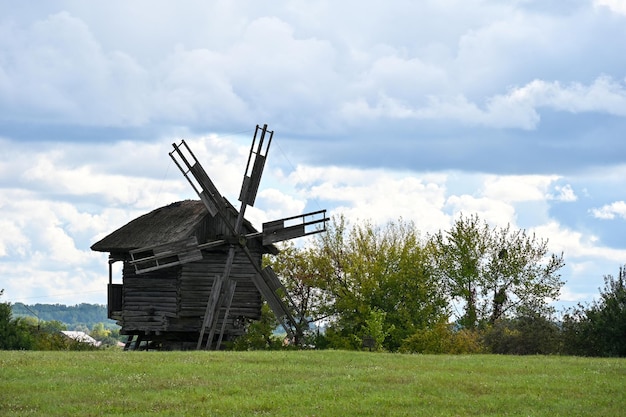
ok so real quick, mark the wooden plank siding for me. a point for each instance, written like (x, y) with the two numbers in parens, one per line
(174, 299)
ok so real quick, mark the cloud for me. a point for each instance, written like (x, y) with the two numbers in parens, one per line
(496, 213)
(51, 236)
(519, 108)
(576, 244)
(67, 69)
(617, 6)
(604, 95)
(514, 188)
(273, 204)
(610, 211)
(376, 195)
(56, 69)
(565, 193)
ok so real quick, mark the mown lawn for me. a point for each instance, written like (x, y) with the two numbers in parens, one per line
(307, 383)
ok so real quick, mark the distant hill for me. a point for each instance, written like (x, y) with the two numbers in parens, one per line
(72, 316)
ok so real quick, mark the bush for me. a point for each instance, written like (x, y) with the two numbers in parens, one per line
(527, 335)
(443, 338)
(260, 333)
(599, 329)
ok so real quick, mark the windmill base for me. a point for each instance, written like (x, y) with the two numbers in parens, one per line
(168, 341)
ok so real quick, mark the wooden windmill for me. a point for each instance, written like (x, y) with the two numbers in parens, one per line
(153, 258)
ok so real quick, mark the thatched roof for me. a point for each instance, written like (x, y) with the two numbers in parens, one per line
(171, 223)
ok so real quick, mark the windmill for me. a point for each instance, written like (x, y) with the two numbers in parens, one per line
(153, 258)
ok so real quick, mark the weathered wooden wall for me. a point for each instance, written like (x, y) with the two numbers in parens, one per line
(173, 300)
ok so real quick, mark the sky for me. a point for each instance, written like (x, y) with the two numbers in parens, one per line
(382, 110)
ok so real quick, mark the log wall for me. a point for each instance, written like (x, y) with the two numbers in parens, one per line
(173, 300)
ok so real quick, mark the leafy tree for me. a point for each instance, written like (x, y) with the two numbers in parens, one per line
(52, 326)
(14, 334)
(107, 336)
(98, 332)
(298, 271)
(367, 269)
(599, 329)
(496, 272)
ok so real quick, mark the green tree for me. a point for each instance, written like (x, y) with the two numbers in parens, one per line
(366, 269)
(375, 328)
(298, 272)
(599, 329)
(460, 255)
(52, 326)
(496, 272)
(14, 334)
(99, 332)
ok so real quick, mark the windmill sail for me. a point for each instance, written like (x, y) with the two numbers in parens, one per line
(254, 167)
(293, 227)
(203, 186)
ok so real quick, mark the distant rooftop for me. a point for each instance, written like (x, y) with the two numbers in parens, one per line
(81, 337)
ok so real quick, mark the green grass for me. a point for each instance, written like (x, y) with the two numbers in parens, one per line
(307, 383)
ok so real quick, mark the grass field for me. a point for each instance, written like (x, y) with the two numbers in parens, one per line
(307, 383)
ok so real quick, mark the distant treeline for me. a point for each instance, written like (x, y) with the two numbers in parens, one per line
(79, 315)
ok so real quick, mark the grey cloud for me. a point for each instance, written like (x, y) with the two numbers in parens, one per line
(481, 93)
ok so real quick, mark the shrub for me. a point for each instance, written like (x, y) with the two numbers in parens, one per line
(526, 335)
(443, 338)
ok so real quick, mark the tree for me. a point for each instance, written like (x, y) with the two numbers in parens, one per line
(297, 269)
(14, 334)
(599, 329)
(365, 270)
(99, 332)
(460, 255)
(496, 272)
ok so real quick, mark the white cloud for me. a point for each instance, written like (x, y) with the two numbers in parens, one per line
(189, 81)
(55, 68)
(576, 244)
(276, 205)
(617, 6)
(68, 68)
(565, 193)
(603, 95)
(515, 188)
(376, 195)
(495, 212)
(52, 237)
(13, 242)
(610, 211)
(519, 108)
(32, 285)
